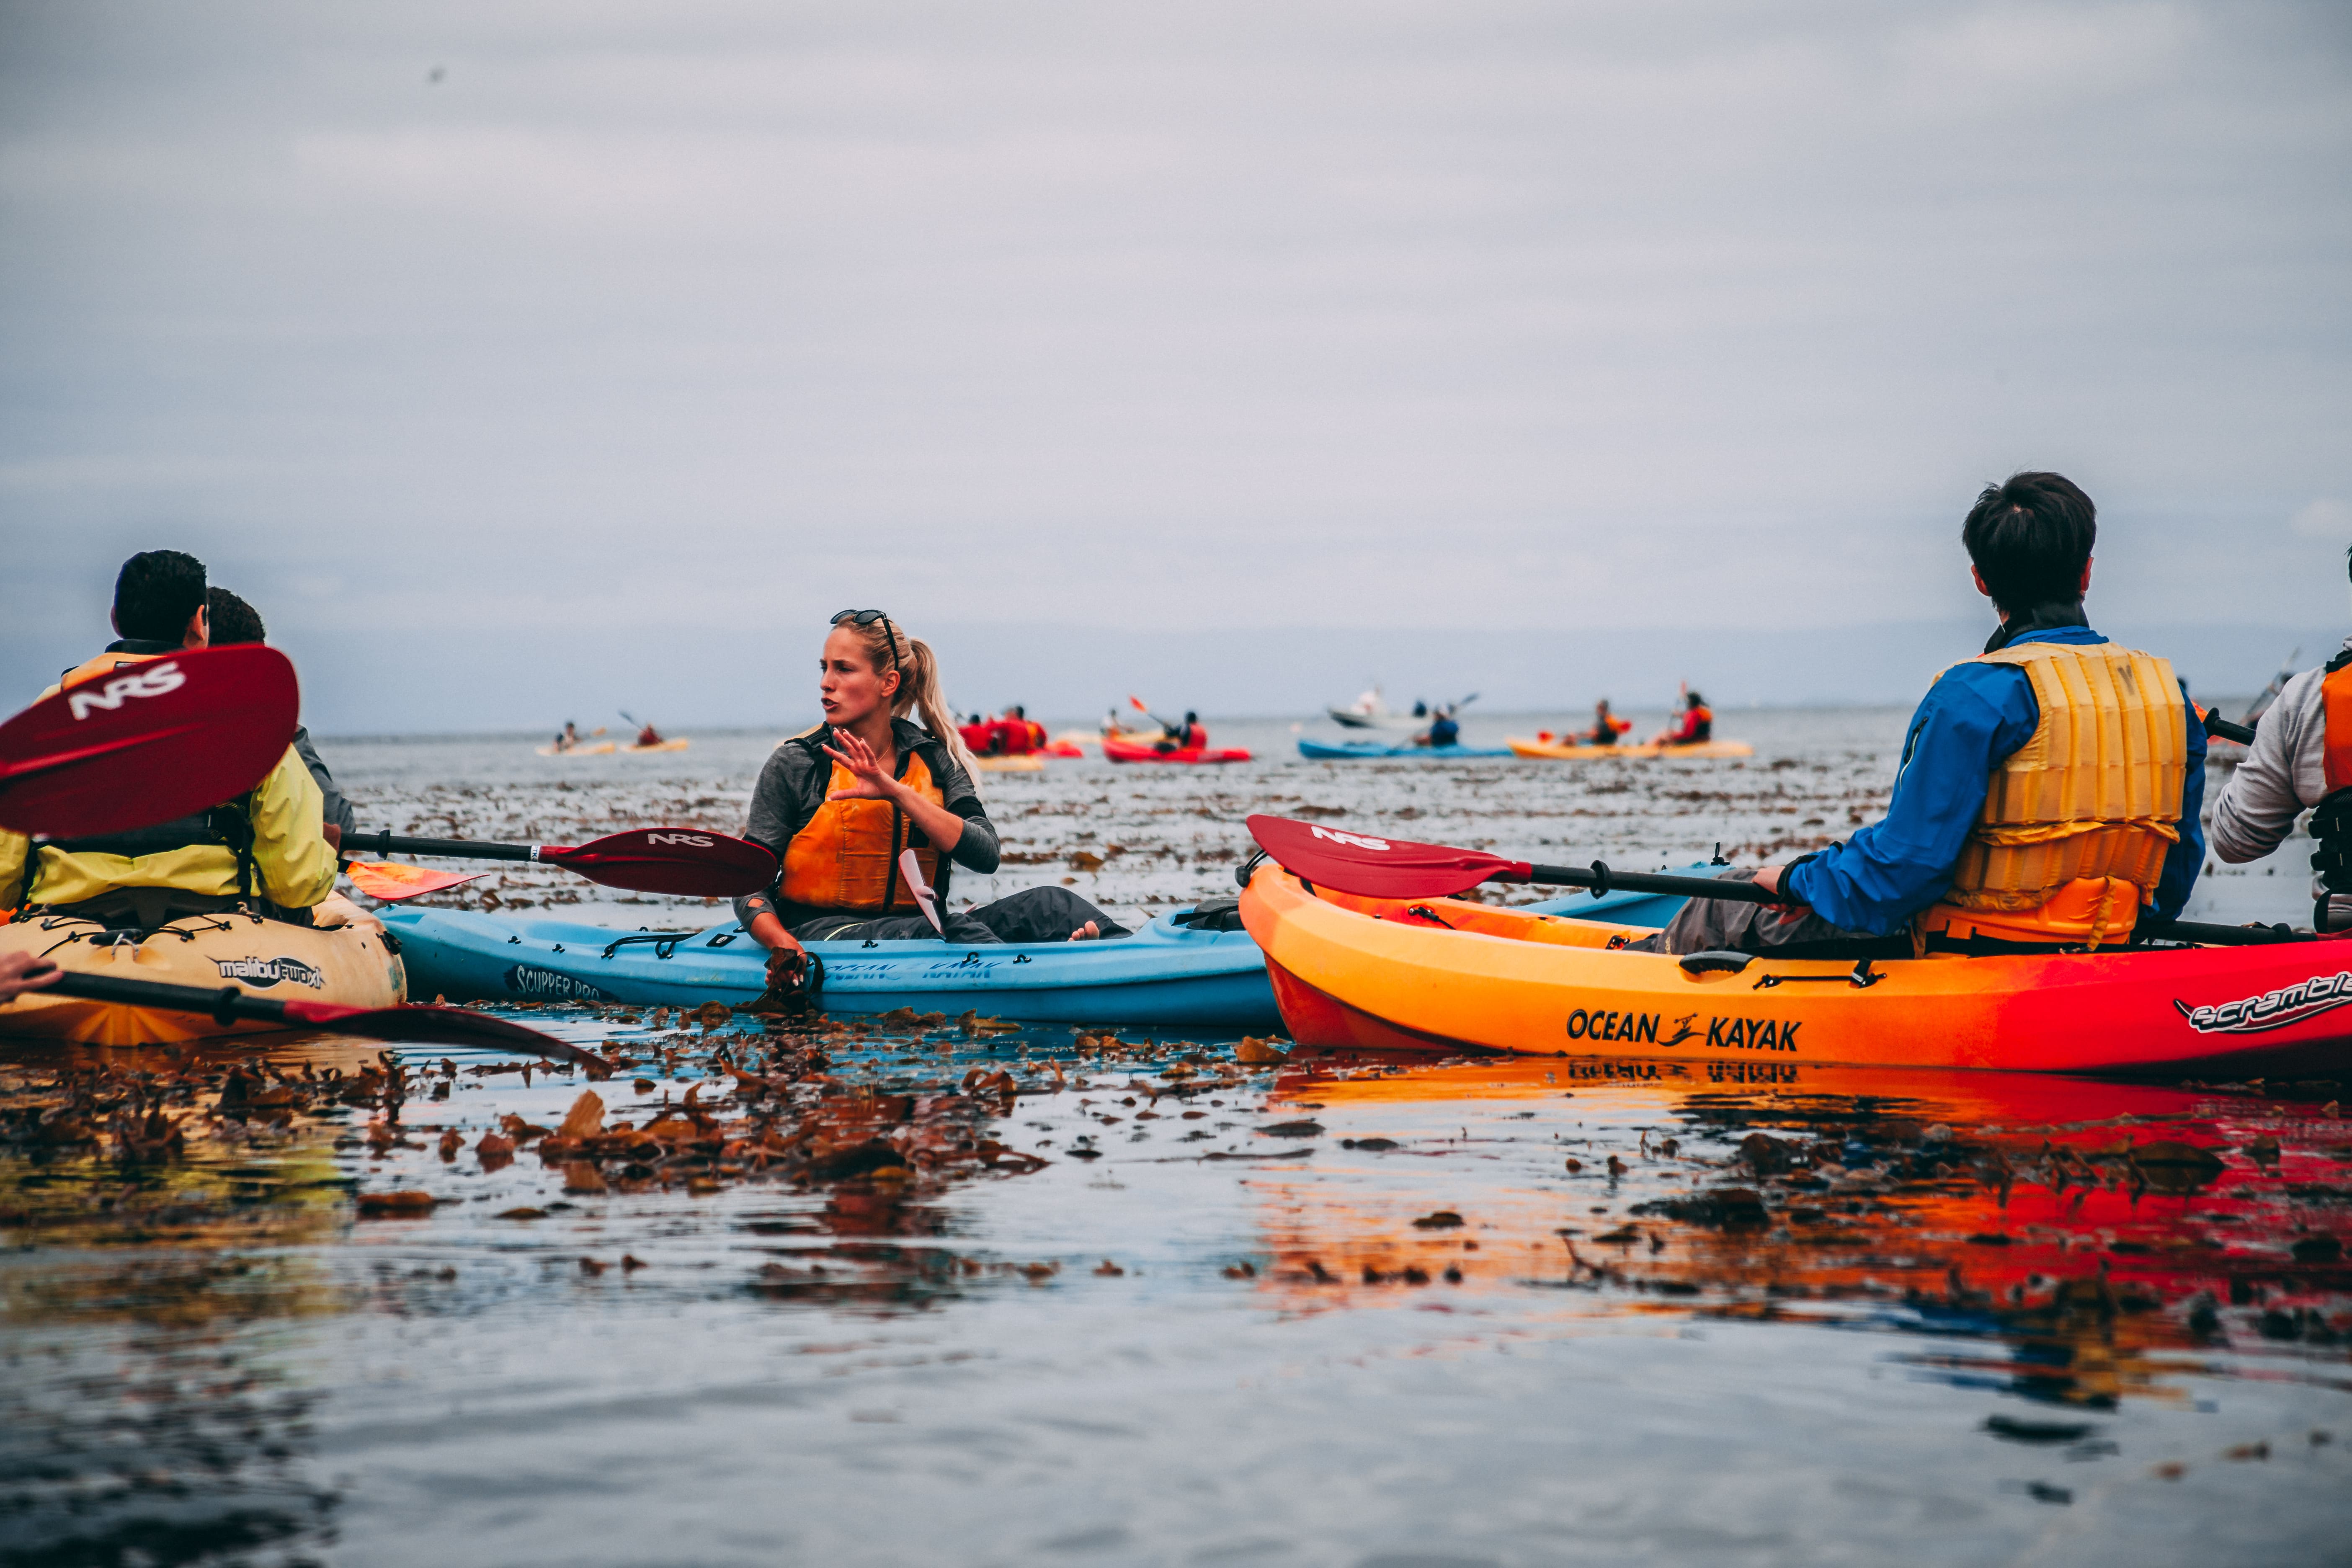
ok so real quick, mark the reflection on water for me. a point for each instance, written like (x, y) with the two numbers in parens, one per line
(868, 1292)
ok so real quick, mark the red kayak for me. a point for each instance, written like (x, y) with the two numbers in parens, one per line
(1144, 751)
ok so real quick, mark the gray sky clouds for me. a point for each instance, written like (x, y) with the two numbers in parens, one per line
(645, 319)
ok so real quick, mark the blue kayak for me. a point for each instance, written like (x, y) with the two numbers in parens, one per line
(1166, 974)
(1346, 751)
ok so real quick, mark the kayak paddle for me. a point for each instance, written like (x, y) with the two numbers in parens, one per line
(416, 1026)
(390, 882)
(912, 869)
(1376, 867)
(153, 741)
(684, 861)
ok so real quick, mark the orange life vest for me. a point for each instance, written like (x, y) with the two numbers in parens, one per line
(847, 856)
(2336, 702)
(2331, 822)
(2077, 822)
(104, 664)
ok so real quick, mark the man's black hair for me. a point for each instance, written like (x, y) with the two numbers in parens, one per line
(1694, 700)
(156, 593)
(2030, 538)
(234, 620)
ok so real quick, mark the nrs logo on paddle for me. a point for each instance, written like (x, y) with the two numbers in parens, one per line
(1337, 837)
(268, 972)
(149, 680)
(2271, 1009)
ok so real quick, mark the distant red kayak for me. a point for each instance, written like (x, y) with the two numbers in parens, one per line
(1133, 752)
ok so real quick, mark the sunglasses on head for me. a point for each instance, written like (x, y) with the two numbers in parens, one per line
(866, 618)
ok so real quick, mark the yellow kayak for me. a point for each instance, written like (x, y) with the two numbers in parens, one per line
(1577, 751)
(600, 749)
(1027, 762)
(658, 746)
(351, 964)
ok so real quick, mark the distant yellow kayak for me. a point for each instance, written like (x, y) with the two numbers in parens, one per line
(600, 749)
(1569, 751)
(1027, 762)
(658, 746)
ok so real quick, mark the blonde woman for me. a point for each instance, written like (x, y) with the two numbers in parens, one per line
(838, 803)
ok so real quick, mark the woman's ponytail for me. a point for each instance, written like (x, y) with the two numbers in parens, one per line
(920, 692)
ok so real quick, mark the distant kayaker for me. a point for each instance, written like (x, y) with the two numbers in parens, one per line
(2290, 768)
(2050, 788)
(838, 803)
(235, 621)
(1607, 726)
(264, 850)
(1696, 725)
(648, 738)
(568, 739)
(1443, 730)
(1185, 737)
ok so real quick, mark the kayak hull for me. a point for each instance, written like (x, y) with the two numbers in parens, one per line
(1356, 719)
(1026, 762)
(1130, 751)
(1361, 750)
(634, 751)
(600, 749)
(1530, 984)
(1164, 975)
(1568, 752)
(350, 965)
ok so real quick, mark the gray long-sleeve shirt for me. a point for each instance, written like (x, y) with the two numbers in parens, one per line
(2283, 775)
(794, 783)
(335, 808)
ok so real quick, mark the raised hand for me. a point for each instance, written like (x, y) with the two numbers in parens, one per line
(874, 780)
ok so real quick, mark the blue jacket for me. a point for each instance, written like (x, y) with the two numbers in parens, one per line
(1967, 725)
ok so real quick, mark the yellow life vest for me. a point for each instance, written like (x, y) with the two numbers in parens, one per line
(847, 856)
(2076, 822)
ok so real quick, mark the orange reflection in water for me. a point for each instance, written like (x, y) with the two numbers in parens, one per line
(2095, 1221)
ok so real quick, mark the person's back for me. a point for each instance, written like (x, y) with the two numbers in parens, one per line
(266, 847)
(1443, 730)
(2050, 788)
(2301, 758)
(235, 621)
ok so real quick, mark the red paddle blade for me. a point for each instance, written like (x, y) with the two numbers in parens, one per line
(1376, 867)
(437, 1025)
(683, 860)
(148, 742)
(389, 882)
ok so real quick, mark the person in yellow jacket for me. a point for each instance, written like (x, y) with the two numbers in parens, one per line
(266, 849)
(2050, 788)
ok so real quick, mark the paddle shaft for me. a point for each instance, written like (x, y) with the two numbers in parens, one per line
(227, 1004)
(390, 843)
(1602, 880)
(224, 1007)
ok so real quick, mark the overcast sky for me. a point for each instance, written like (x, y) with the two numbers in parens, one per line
(582, 337)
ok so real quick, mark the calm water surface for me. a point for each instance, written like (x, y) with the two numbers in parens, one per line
(1128, 1300)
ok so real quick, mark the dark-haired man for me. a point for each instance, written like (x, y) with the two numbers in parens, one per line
(2049, 792)
(264, 850)
(235, 621)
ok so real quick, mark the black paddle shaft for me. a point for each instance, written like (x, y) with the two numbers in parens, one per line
(226, 1006)
(1603, 881)
(390, 843)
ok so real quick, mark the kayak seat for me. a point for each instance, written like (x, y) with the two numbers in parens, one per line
(1211, 914)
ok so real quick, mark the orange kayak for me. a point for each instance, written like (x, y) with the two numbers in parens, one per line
(1441, 974)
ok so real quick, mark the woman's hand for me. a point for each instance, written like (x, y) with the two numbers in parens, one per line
(874, 780)
(21, 972)
(787, 959)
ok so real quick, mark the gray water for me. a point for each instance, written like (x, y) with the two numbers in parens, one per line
(1186, 1315)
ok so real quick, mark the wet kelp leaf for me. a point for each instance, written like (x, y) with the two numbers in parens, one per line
(2170, 1166)
(586, 1119)
(407, 1205)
